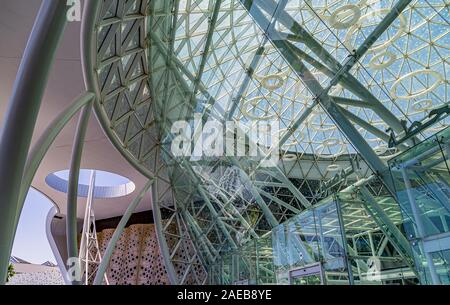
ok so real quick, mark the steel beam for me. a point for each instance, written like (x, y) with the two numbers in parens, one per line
(351, 102)
(169, 53)
(176, 63)
(254, 64)
(208, 203)
(394, 235)
(345, 243)
(288, 184)
(322, 97)
(156, 208)
(89, 58)
(196, 231)
(289, 22)
(259, 200)
(118, 232)
(236, 100)
(349, 82)
(421, 232)
(216, 218)
(72, 190)
(235, 211)
(381, 28)
(205, 243)
(279, 202)
(206, 50)
(279, 173)
(366, 125)
(215, 215)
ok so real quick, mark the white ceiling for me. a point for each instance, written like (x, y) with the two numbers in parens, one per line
(64, 85)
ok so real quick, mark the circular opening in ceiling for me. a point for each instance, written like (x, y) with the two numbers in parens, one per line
(107, 185)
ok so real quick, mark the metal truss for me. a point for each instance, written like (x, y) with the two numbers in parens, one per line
(186, 72)
(329, 80)
(256, 8)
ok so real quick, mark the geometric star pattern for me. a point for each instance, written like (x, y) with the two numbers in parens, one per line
(158, 62)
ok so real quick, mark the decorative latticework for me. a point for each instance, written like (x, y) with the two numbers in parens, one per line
(158, 62)
(136, 259)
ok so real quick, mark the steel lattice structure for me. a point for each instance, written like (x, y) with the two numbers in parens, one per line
(335, 74)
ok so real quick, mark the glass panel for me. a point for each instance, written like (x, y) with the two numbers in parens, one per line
(422, 180)
(246, 65)
(421, 177)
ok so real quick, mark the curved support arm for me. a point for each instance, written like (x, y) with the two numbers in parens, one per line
(72, 193)
(118, 232)
(45, 141)
(21, 115)
(89, 30)
(160, 236)
(48, 231)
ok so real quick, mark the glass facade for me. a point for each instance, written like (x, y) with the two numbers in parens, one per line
(345, 80)
(337, 239)
(356, 94)
(361, 234)
(421, 177)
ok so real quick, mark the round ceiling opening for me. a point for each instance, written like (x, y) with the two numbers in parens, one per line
(107, 185)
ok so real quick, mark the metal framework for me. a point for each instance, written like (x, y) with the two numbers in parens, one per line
(335, 75)
(90, 256)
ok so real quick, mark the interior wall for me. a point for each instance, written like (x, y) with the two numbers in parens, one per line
(136, 259)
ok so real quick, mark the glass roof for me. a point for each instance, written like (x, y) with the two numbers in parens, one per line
(256, 60)
(406, 69)
(249, 61)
